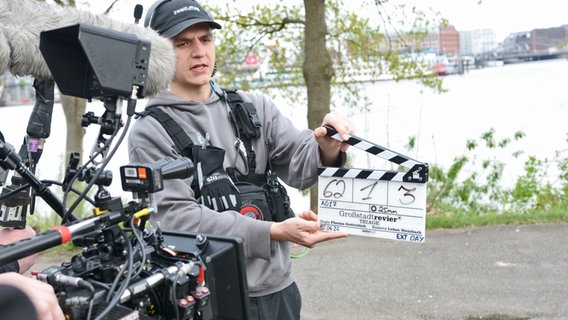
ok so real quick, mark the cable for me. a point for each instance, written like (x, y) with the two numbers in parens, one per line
(124, 284)
(173, 296)
(90, 309)
(67, 212)
(51, 182)
(13, 192)
(140, 241)
(301, 254)
(98, 172)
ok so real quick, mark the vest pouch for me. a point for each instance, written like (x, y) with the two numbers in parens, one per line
(253, 202)
(278, 200)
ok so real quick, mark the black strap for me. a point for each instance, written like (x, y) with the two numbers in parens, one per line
(181, 140)
(247, 122)
(243, 115)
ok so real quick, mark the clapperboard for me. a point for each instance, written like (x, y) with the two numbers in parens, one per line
(374, 203)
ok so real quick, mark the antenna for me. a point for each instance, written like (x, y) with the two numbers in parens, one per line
(138, 9)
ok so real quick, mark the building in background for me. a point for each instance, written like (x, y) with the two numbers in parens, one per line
(16, 90)
(537, 44)
(473, 42)
(449, 41)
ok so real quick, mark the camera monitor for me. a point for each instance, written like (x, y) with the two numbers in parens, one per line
(87, 61)
(225, 274)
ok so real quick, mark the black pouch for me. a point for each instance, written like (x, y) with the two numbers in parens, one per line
(253, 202)
(278, 199)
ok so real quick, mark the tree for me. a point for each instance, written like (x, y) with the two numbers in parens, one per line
(73, 108)
(317, 47)
(317, 69)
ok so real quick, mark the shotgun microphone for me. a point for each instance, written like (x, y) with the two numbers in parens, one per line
(22, 21)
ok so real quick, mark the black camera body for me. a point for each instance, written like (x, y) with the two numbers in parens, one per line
(181, 276)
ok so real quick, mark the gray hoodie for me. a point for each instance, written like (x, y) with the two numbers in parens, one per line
(294, 156)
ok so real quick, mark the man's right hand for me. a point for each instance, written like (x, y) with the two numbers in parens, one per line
(303, 229)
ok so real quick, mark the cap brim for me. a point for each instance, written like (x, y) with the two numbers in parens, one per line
(178, 28)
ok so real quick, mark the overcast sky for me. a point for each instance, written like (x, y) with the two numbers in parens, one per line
(503, 16)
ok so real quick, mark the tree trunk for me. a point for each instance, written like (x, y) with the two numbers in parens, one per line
(74, 108)
(317, 70)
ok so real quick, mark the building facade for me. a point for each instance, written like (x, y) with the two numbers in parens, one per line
(449, 41)
(474, 42)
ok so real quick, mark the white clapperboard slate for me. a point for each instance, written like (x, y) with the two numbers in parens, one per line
(374, 203)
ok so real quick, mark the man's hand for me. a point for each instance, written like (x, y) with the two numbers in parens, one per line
(10, 235)
(303, 229)
(41, 295)
(329, 147)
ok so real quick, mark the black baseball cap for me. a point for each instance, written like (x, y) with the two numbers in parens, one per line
(170, 17)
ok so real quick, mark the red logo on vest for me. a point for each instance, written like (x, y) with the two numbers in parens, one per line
(251, 211)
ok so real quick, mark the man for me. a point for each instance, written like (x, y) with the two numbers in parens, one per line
(196, 103)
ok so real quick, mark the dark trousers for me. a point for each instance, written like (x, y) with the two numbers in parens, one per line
(282, 305)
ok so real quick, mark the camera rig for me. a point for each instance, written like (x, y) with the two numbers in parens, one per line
(127, 269)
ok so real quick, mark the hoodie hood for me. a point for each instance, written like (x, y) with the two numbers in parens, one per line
(166, 98)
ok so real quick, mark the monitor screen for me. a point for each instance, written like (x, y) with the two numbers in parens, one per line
(225, 274)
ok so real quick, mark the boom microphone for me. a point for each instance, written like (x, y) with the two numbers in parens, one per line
(22, 21)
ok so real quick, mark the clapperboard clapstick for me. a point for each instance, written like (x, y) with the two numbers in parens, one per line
(418, 171)
(374, 203)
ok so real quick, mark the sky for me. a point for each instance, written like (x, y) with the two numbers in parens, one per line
(503, 16)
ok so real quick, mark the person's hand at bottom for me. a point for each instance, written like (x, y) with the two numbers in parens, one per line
(41, 295)
(303, 229)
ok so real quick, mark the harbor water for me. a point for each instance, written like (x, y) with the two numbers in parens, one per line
(528, 97)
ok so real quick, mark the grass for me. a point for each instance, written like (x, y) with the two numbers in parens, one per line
(452, 221)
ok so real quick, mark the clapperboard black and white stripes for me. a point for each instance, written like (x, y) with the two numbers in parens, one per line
(374, 203)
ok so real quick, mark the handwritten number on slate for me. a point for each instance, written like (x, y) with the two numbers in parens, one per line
(334, 184)
(408, 195)
(372, 187)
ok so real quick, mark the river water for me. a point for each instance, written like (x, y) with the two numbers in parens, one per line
(529, 97)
